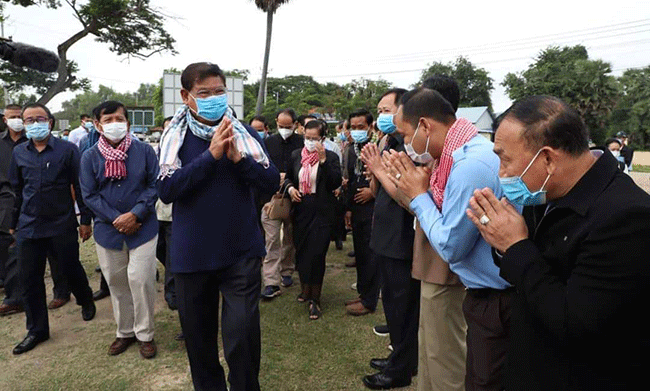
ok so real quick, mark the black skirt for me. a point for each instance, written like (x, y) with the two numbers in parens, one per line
(311, 236)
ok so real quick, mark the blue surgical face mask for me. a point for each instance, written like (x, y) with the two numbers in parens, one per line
(211, 108)
(385, 123)
(359, 136)
(516, 191)
(262, 135)
(343, 137)
(38, 131)
(88, 125)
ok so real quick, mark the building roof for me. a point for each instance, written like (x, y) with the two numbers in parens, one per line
(471, 113)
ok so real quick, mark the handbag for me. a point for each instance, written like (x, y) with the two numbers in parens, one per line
(280, 207)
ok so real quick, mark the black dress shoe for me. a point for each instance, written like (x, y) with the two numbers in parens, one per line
(29, 343)
(379, 381)
(379, 363)
(100, 294)
(88, 311)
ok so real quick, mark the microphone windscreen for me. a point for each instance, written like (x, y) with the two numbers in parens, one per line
(28, 56)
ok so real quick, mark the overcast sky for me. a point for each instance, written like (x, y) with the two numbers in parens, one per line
(341, 40)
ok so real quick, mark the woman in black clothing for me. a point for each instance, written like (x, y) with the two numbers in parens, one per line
(311, 179)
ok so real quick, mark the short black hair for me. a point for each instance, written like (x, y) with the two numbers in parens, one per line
(13, 106)
(399, 92)
(317, 124)
(446, 86)
(361, 113)
(613, 140)
(427, 103)
(548, 121)
(84, 116)
(303, 118)
(42, 106)
(289, 112)
(200, 71)
(260, 118)
(109, 107)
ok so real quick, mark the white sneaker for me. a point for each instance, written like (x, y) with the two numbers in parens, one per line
(353, 286)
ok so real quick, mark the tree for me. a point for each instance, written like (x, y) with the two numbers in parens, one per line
(268, 6)
(85, 102)
(632, 112)
(132, 28)
(474, 83)
(570, 75)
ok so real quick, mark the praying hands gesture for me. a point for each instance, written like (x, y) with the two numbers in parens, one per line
(409, 179)
(499, 222)
(223, 141)
(372, 159)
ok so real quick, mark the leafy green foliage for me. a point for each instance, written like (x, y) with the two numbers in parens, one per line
(266, 5)
(475, 84)
(632, 112)
(131, 28)
(306, 95)
(84, 103)
(570, 75)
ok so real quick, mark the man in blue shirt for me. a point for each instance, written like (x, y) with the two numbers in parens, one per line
(42, 171)
(209, 165)
(118, 181)
(465, 162)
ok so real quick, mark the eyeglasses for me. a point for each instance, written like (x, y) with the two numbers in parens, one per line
(206, 93)
(31, 120)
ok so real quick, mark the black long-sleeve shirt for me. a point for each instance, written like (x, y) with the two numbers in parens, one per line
(41, 181)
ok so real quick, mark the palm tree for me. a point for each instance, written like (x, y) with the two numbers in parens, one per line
(268, 6)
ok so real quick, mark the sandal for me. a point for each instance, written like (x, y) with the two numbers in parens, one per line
(314, 310)
(301, 298)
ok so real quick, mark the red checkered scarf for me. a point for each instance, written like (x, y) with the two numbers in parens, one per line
(459, 134)
(308, 160)
(115, 167)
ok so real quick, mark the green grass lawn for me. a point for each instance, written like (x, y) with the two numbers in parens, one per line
(331, 353)
(640, 168)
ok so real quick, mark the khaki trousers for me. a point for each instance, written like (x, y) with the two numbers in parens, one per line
(280, 254)
(442, 347)
(131, 278)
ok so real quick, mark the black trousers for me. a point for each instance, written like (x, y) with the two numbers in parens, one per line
(198, 305)
(5, 241)
(164, 256)
(9, 257)
(61, 287)
(401, 299)
(368, 279)
(32, 254)
(488, 330)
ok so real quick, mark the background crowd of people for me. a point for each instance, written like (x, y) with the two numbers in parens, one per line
(516, 264)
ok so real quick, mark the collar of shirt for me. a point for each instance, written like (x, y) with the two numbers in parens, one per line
(50, 144)
(6, 135)
(591, 185)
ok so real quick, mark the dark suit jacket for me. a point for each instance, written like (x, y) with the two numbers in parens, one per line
(583, 287)
(328, 179)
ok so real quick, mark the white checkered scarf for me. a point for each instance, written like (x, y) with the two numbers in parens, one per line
(173, 136)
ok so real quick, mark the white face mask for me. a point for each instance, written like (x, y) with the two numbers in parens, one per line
(16, 124)
(616, 153)
(422, 158)
(310, 145)
(285, 132)
(115, 131)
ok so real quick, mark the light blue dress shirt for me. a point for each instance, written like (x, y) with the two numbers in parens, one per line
(451, 233)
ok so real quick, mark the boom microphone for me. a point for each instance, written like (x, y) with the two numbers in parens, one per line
(27, 56)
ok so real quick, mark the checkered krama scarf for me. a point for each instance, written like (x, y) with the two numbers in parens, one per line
(308, 160)
(458, 135)
(115, 165)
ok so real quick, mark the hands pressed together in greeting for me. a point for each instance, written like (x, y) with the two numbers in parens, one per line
(223, 141)
(498, 221)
